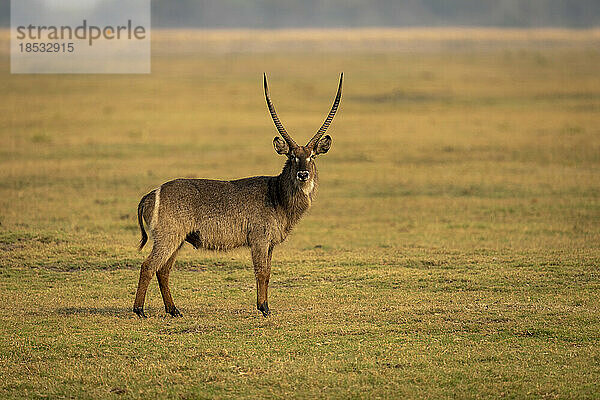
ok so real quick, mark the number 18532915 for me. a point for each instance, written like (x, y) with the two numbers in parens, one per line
(46, 47)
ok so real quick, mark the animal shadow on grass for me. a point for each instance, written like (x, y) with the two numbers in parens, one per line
(191, 314)
(111, 311)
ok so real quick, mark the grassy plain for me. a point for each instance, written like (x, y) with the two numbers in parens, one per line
(453, 249)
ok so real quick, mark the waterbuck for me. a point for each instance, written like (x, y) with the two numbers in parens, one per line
(258, 212)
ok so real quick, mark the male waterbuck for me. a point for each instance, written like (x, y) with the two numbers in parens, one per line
(258, 212)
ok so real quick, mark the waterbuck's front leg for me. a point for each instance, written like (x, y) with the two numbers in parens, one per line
(261, 258)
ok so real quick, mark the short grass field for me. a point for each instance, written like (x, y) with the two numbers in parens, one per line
(452, 250)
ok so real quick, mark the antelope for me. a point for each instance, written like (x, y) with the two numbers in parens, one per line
(258, 212)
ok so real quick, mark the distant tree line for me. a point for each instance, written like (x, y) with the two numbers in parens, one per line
(364, 13)
(361, 13)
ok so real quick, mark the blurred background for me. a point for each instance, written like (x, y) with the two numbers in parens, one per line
(452, 246)
(463, 124)
(365, 13)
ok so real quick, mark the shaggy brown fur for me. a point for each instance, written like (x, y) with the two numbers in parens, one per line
(258, 212)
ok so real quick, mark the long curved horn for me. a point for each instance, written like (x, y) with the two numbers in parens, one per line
(278, 123)
(330, 116)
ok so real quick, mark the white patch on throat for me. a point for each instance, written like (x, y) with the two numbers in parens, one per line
(308, 188)
(154, 220)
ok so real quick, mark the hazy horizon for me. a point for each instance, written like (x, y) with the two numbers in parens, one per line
(271, 14)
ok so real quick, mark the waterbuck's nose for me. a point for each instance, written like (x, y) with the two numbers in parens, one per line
(302, 175)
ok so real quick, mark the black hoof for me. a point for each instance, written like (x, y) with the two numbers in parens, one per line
(264, 308)
(174, 312)
(140, 312)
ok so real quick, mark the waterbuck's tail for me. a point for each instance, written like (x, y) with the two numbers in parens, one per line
(141, 223)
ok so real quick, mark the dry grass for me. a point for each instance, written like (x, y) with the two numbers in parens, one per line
(452, 250)
(194, 42)
(368, 40)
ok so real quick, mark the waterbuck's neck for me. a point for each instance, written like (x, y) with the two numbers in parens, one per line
(293, 196)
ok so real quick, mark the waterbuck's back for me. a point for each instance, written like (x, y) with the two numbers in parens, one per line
(212, 214)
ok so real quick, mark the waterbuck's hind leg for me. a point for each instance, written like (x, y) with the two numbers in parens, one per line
(261, 258)
(159, 255)
(163, 282)
(146, 272)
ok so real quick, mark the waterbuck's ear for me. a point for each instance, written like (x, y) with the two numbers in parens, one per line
(281, 147)
(323, 145)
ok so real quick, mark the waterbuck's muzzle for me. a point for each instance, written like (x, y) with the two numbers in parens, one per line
(303, 175)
